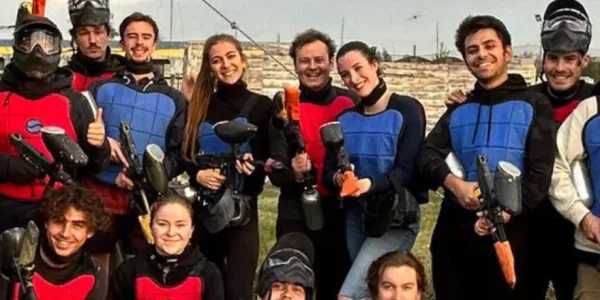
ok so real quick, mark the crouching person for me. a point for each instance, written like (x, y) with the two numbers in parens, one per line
(52, 259)
(172, 268)
(287, 272)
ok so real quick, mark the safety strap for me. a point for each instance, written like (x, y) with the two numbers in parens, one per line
(248, 106)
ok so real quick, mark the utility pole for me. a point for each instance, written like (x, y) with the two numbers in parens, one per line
(437, 38)
(342, 37)
(171, 33)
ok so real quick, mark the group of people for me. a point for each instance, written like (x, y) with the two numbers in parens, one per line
(363, 150)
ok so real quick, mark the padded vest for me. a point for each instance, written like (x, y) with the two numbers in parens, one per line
(498, 131)
(79, 288)
(147, 288)
(372, 140)
(27, 117)
(312, 116)
(82, 82)
(149, 116)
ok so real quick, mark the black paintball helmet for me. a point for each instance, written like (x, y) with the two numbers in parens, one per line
(566, 27)
(289, 261)
(37, 47)
(89, 12)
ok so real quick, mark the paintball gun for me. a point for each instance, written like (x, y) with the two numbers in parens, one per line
(19, 246)
(235, 133)
(66, 153)
(288, 108)
(500, 192)
(333, 139)
(137, 174)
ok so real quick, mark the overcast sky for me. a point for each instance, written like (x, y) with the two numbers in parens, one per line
(389, 23)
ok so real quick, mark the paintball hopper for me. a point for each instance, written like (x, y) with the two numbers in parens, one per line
(291, 261)
(20, 245)
(333, 139)
(291, 101)
(235, 132)
(507, 185)
(280, 119)
(581, 180)
(153, 161)
(63, 148)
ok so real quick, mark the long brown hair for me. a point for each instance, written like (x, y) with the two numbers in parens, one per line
(200, 99)
(394, 259)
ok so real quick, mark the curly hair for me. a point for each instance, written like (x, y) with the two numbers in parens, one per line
(56, 205)
(310, 36)
(395, 259)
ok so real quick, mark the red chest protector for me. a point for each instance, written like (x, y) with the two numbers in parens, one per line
(146, 288)
(312, 116)
(82, 82)
(27, 117)
(78, 288)
(563, 112)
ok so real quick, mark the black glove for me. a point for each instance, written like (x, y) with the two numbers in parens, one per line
(21, 172)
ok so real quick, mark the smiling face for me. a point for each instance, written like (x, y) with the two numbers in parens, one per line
(226, 62)
(67, 235)
(563, 70)
(139, 41)
(313, 65)
(172, 228)
(486, 57)
(399, 283)
(357, 73)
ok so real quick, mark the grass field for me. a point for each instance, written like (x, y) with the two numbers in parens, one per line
(429, 212)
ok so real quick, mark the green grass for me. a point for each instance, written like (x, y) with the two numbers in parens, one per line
(429, 212)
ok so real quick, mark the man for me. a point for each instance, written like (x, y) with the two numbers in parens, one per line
(156, 114)
(320, 102)
(91, 35)
(287, 273)
(70, 215)
(464, 265)
(36, 93)
(577, 143)
(565, 37)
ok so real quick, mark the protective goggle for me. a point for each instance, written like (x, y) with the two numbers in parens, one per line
(48, 41)
(567, 20)
(80, 4)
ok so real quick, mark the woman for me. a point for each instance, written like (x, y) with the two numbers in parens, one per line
(382, 138)
(173, 267)
(220, 94)
(397, 275)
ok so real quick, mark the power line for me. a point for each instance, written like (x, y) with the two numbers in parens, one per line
(236, 27)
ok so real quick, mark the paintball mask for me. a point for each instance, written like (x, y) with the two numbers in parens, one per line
(37, 46)
(289, 261)
(565, 30)
(89, 12)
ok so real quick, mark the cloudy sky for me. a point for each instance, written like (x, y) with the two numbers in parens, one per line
(394, 24)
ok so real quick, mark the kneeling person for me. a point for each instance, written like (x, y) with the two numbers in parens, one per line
(70, 215)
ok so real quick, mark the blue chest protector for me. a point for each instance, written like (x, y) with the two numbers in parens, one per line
(591, 142)
(211, 145)
(148, 114)
(498, 131)
(371, 141)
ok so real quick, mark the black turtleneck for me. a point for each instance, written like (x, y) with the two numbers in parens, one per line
(564, 102)
(226, 104)
(539, 157)
(88, 67)
(139, 68)
(167, 271)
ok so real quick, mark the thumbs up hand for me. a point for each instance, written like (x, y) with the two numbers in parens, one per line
(96, 133)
